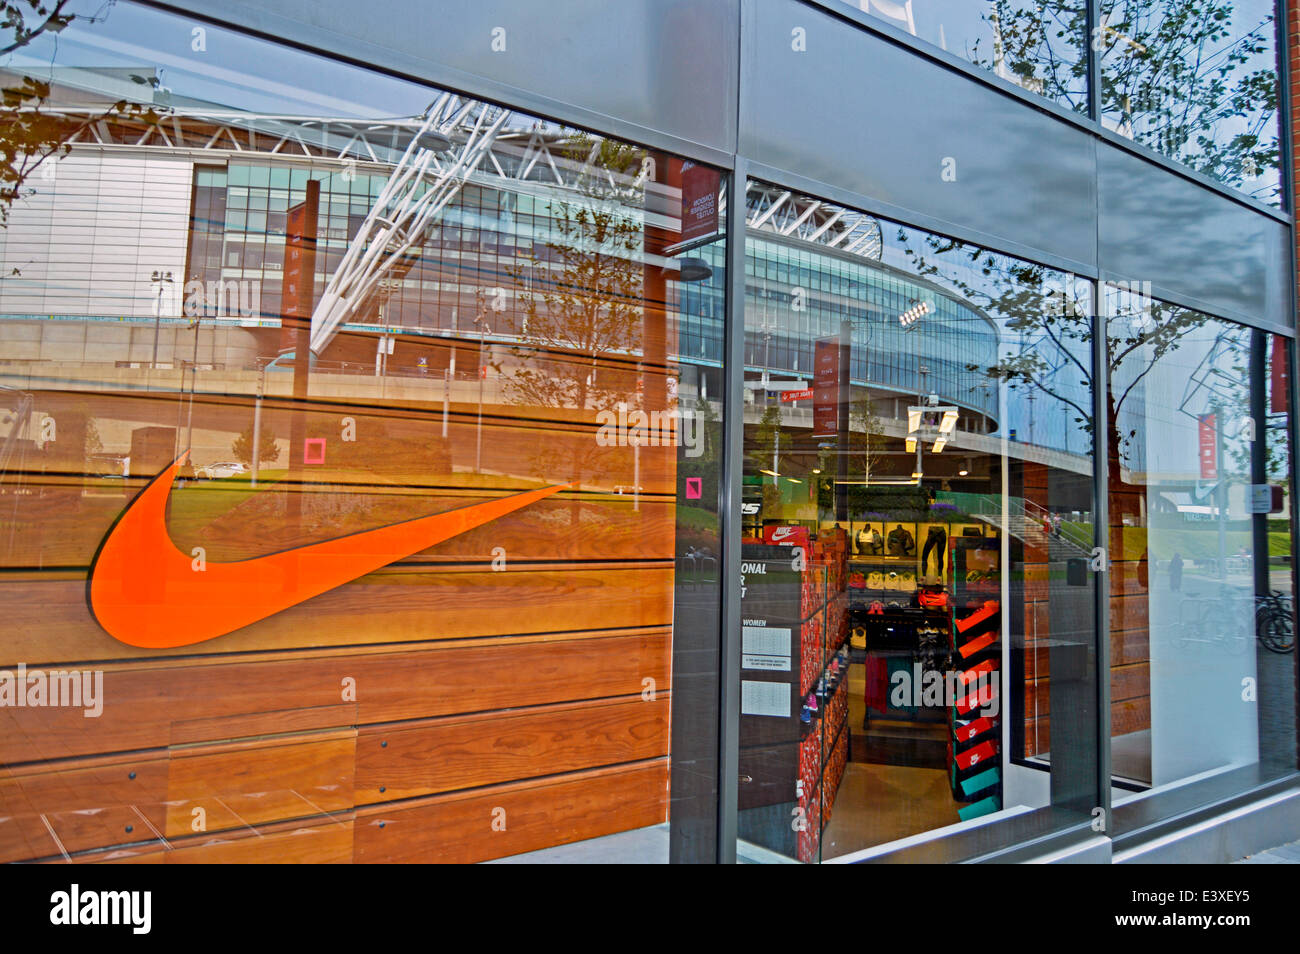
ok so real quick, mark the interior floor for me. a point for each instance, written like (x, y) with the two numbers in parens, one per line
(881, 803)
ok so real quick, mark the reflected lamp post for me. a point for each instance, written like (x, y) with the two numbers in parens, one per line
(161, 279)
(483, 332)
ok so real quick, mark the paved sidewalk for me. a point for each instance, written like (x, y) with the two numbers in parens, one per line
(1282, 855)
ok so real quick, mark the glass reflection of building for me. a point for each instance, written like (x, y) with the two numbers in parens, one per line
(246, 171)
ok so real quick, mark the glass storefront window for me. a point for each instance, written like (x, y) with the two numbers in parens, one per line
(1203, 682)
(1038, 46)
(363, 439)
(1197, 81)
(917, 517)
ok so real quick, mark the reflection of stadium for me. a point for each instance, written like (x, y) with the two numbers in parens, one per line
(435, 220)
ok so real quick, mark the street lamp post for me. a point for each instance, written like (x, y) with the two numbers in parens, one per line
(161, 279)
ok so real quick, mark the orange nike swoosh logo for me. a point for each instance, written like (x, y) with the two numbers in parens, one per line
(146, 592)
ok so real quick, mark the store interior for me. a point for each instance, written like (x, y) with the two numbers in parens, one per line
(893, 552)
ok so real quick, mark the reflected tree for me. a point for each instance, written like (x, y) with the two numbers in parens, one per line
(1047, 321)
(32, 132)
(1038, 46)
(1185, 77)
(581, 306)
(582, 286)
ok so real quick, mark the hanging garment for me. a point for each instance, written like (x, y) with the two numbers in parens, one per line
(936, 540)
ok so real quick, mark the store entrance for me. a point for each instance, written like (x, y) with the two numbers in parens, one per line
(898, 555)
(917, 526)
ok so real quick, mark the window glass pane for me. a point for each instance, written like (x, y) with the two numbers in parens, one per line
(449, 497)
(919, 638)
(1039, 46)
(1200, 534)
(1196, 80)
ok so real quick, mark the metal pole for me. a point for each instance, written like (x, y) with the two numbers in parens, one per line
(1221, 492)
(257, 426)
(482, 369)
(1259, 341)
(730, 480)
(157, 326)
(1101, 450)
(194, 376)
(446, 397)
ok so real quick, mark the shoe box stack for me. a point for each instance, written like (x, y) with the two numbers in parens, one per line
(812, 630)
(837, 622)
(974, 767)
(823, 752)
(793, 694)
(837, 746)
(808, 836)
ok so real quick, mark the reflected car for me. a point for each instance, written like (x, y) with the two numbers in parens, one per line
(223, 469)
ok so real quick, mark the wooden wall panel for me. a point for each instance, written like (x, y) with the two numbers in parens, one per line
(257, 781)
(537, 814)
(327, 842)
(1126, 683)
(519, 688)
(75, 799)
(144, 701)
(1127, 715)
(553, 705)
(420, 758)
(1129, 613)
(48, 622)
(1130, 715)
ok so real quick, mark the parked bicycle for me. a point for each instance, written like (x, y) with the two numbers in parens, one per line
(1213, 620)
(1274, 622)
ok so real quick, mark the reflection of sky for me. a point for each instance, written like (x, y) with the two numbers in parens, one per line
(1037, 416)
(961, 27)
(1245, 17)
(235, 71)
(1207, 366)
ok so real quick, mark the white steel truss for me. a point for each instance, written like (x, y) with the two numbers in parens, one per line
(417, 190)
(784, 213)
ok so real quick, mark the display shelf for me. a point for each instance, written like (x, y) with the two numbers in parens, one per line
(974, 747)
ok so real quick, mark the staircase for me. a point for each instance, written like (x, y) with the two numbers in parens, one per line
(1024, 521)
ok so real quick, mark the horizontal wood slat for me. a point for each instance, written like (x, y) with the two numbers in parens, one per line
(328, 842)
(412, 759)
(143, 704)
(535, 814)
(62, 525)
(257, 781)
(50, 623)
